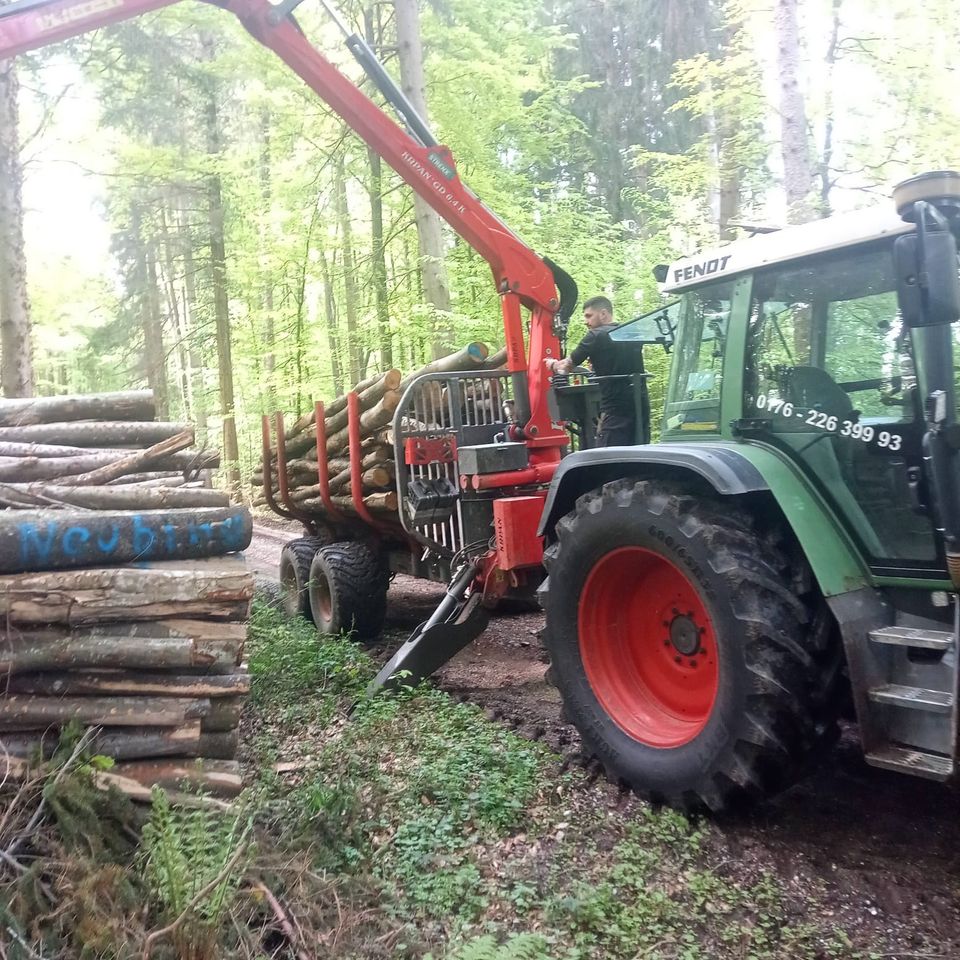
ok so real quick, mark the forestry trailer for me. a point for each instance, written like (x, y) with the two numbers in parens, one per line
(714, 598)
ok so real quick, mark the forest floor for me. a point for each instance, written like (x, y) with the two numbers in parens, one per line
(852, 862)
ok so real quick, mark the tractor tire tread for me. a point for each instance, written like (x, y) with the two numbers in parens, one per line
(790, 711)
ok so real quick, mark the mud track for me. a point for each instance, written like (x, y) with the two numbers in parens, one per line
(885, 846)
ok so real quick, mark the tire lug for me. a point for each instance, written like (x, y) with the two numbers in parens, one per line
(693, 663)
(677, 660)
(703, 652)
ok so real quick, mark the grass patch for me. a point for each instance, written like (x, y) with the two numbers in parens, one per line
(404, 826)
(476, 846)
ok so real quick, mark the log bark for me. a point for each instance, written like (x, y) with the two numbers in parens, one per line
(116, 742)
(27, 469)
(216, 648)
(499, 359)
(133, 683)
(125, 743)
(95, 433)
(223, 715)
(133, 462)
(370, 420)
(368, 392)
(25, 711)
(470, 357)
(375, 502)
(220, 589)
(127, 405)
(375, 477)
(129, 497)
(34, 540)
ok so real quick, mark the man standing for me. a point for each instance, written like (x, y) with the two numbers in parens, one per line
(612, 365)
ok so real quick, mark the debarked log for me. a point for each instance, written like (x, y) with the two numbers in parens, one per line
(214, 648)
(61, 539)
(219, 588)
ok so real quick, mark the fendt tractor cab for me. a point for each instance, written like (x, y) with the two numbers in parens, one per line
(711, 596)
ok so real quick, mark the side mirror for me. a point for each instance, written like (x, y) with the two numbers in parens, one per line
(928, 278)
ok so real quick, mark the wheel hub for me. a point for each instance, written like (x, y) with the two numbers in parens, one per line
(685, 635)
(648, 647)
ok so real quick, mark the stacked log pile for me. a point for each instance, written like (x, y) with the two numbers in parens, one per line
(378, 399)
(121, 609)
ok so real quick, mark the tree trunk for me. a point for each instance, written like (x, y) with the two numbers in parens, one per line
(378, 258)
(130, 405)
(95, 433)
(221, 303)
(266, 279)
(134, 683)
(16, 359)
(429, 227)
(794, 143)
(826, 155)
(155, 356)
(61, 539)
(351, 294)
(330, 317)
(215, 648)
(129, 497)
(26, 711)
(219, 588)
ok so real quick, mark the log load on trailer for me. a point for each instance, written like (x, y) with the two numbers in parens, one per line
(796, 530)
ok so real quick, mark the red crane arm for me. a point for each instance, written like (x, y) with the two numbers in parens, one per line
(522, 277)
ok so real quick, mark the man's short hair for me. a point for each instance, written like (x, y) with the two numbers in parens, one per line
(598, 303)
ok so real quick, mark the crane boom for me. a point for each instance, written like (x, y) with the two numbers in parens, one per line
(523, 278)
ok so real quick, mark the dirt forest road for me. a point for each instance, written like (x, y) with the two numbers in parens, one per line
(886, 846)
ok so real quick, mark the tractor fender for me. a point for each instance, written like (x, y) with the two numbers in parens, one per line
(730, 469)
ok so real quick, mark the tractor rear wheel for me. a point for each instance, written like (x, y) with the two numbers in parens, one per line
(295, 559)
(685, 658)
(348, 590)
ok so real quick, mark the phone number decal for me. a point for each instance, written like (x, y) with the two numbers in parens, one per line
(830, 424)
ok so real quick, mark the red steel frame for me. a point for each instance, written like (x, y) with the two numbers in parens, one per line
(522, 278)
(323, 462)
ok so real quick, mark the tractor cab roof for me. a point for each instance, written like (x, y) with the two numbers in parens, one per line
(791, 243)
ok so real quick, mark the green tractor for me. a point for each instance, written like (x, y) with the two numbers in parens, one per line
(792, 543)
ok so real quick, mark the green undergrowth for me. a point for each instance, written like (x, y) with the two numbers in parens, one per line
(467, 842)
(404, 826)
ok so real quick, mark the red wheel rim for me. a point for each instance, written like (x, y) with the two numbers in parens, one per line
(648, 647)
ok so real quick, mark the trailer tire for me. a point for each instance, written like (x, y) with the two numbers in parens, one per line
(295, 559)
(684, 657)
(348, 590)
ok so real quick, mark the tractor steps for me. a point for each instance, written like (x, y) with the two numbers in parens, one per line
(908, 700)
(904, 760)
(913, 637)
(917, 698)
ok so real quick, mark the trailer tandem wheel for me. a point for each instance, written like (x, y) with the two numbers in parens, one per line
(295, 559)
(348, 590)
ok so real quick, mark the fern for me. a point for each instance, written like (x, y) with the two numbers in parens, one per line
(185, 851)
(523, 946)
